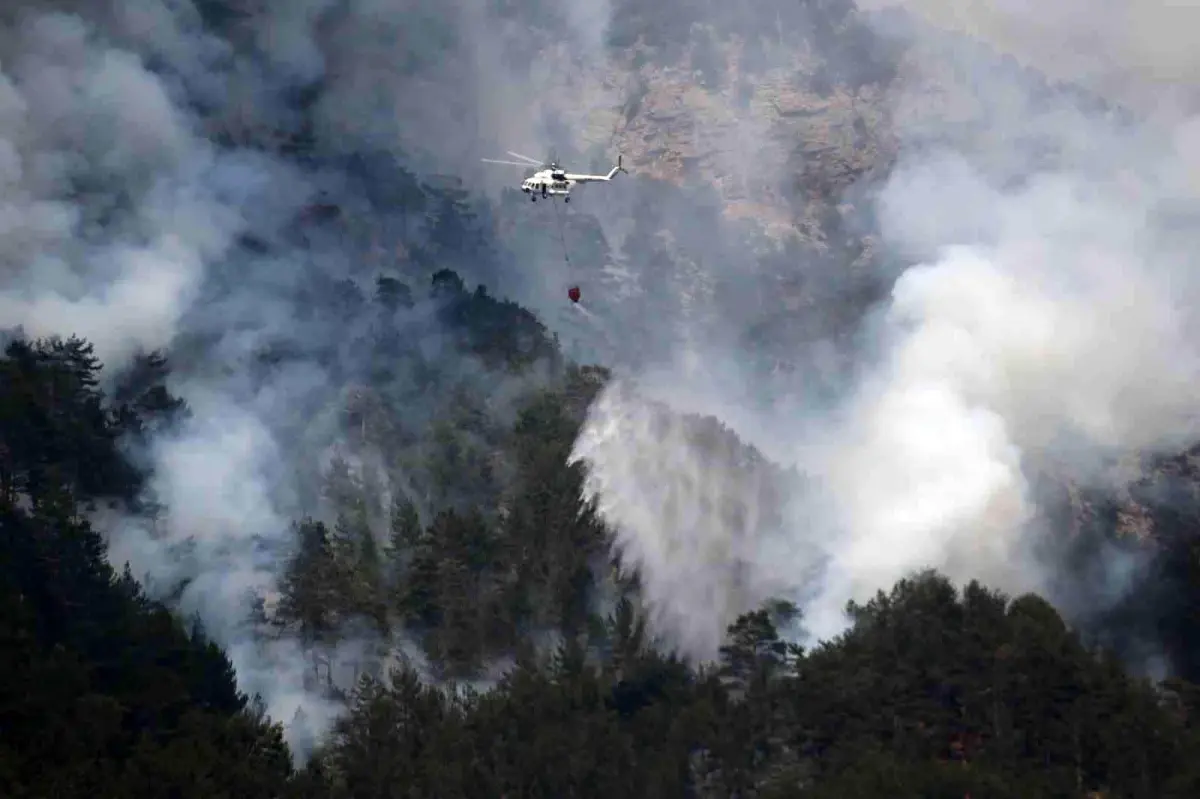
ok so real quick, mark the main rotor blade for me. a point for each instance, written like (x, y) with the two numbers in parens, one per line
(533, 161)
(510, 163)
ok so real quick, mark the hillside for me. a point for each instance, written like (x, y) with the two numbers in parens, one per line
(931, 691)
(384, 501)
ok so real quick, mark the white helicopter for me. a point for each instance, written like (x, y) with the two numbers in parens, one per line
(550, 180)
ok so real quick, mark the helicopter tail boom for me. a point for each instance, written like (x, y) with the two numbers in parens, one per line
(589, 178)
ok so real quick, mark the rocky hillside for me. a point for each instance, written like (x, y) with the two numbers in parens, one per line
(755, 140)
(795, 121)
(780, 109)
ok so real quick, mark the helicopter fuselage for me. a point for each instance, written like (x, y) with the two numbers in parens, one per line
(554, 181)
(547, 182)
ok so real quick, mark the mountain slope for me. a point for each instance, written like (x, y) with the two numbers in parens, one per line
(375, 468)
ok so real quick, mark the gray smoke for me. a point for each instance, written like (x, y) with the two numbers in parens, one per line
(141, 191)
(117, 207)
(1045, 317)
(111, 207)
(1119, 49)
(145, 206)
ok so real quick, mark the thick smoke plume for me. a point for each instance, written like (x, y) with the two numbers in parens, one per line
(148, 202)
(117, 208)
(109, 209)
(1045, 321)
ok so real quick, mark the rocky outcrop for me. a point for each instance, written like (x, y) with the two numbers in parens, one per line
(777, 143)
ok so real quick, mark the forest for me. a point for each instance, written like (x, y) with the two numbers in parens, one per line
(441, 581)
(932, 692)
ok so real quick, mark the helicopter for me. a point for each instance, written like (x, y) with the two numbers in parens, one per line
(550, 180)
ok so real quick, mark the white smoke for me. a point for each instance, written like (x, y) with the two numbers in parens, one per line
(1047, 317)
(115, 206)
(1047, 345)
(87, 133)
(218, 535)
(124, 197)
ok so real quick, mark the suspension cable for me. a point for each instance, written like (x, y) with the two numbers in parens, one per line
(561, 235)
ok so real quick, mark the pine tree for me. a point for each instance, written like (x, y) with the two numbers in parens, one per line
(309, 588)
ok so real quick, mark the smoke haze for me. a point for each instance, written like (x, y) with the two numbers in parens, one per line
(1043, 312)
(147, 204)
(1119, 48)
(1044, 321)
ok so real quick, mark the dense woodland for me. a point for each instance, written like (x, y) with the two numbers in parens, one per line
(449, 532)
(931, 693)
